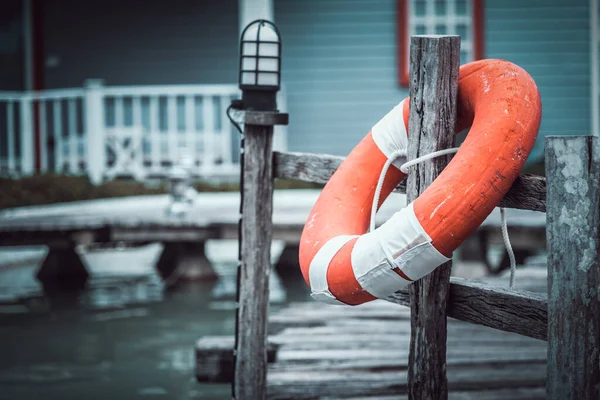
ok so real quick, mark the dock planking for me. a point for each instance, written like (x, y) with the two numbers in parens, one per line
(319, 351)
(142, 219)
(501, 394)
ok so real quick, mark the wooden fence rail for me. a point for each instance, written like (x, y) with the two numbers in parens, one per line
(508, 310)
(528, 192)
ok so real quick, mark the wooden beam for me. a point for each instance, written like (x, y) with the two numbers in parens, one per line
(253, 273)
(500, 308)
(143, 234)
(307, 167)
(328, 383)
(265, 118)
(289, 233)
(572, 231)
(528, 192)
(52, 238)
(434, 63)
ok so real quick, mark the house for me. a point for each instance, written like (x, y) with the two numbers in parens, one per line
(344, 61)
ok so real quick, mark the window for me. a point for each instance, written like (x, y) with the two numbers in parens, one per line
(439, 17)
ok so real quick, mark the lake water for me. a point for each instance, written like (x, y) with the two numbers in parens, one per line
(125, 337)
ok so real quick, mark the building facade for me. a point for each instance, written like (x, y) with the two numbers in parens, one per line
(344, 61)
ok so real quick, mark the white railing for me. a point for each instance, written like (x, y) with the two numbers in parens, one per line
(134, 131)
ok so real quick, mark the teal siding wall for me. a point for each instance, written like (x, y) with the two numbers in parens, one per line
(11, 40)
(141, 42)
(340, 66)
(551, 40)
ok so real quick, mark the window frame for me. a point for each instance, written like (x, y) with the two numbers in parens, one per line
(403, 22)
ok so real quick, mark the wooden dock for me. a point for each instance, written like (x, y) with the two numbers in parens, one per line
(320, 351)
(143, 219)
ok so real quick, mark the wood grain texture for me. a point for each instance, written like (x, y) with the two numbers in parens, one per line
(325, 382)
(528, 192)
(433, 89)
(573, 171)
(265, 118)
(308, 167)
(500, 308)
(373, 338)
(257, 210)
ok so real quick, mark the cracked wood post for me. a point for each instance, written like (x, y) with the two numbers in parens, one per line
(434, 64)
(573, 202)
(256, 232)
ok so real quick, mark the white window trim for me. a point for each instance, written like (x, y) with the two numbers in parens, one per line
(430, 20)
(472, 20)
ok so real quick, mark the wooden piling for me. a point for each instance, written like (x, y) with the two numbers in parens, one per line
(434, 83)
(256, 233)
(573, 218)
(185, 261)
(62, 270)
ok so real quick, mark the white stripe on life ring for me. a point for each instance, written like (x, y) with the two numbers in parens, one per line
(317, 272)
(400, 242)
(389, 134)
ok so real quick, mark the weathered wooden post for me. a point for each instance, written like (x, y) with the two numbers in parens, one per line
(434, 64)
(260, 62)
(256, 234)
(572, 229)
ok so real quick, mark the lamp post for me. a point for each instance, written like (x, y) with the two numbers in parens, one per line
(260, 63)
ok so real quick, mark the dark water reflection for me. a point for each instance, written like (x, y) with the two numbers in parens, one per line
(123, 338)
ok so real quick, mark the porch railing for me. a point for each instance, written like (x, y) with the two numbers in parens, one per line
(134, 131)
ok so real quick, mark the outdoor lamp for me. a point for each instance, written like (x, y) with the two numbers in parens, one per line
(260, 65)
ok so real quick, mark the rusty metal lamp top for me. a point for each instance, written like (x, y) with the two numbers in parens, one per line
(260, 65)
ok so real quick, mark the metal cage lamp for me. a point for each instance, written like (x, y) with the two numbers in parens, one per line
(260, 65)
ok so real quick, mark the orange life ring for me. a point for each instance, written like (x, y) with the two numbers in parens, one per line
(344, 264)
